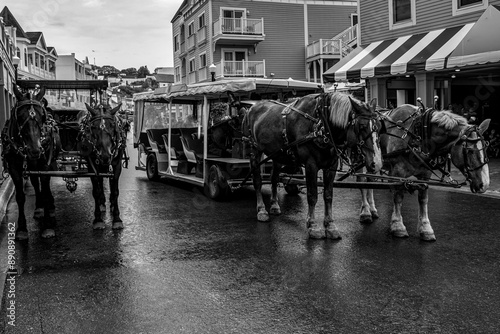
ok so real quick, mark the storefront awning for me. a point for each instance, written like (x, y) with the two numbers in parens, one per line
(426, 51)
(482, 43)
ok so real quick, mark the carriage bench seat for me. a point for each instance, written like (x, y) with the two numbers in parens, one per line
(193, 149)
(176, 149)
(143, 140)
(156, 140)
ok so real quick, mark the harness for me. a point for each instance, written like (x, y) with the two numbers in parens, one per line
(12, 138)
(87, 144)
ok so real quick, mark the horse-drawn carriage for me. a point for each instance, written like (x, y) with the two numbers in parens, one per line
(63, 128)
(172, 123)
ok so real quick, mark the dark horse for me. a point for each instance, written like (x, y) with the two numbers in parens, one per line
(102, 141)
(308, 133)
(31, 143)
(417, 144)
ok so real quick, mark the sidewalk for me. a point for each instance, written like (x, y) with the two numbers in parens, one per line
(493, 190)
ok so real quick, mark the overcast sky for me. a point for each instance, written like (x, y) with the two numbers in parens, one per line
(122, 33)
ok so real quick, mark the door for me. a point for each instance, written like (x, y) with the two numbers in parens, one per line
(233, 62)
(232, 20)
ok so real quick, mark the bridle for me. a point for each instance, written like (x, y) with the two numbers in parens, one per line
(469, 144)
(355, 125)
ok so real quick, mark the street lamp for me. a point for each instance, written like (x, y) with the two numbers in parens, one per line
(212, 71)
(15, 61)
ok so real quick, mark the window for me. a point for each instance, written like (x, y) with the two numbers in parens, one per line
(203, 60)
(201, 21)
(401, 13)
(26, 57)
(191, 29)
(192, 65)
(176, 43)
(468, 6)
(177, 74)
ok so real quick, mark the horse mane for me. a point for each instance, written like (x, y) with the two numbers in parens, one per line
(340, 109)
(448, 120)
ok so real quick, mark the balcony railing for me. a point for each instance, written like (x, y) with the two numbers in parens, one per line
(348, 35)
(241, 68)
(239, 26)
(35, 70)
(337, 46)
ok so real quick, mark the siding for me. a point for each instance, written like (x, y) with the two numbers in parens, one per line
(431, 15)
(327, 21)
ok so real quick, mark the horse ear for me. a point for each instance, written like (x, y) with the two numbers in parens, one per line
(484, 126)
(354, 103)
(114, 110)
(91, 110)
(373, 104)
(40, 94)
(17, 93)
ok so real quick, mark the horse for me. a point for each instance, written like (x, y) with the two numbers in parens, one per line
(102, 142)
(309, 133)
(31, 143)
(415, 144)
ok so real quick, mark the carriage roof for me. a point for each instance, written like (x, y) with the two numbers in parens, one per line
(64, 84)
(182, 93)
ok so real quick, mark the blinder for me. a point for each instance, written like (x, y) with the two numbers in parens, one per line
(465, 140)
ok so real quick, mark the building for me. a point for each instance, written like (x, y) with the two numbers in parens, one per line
(70, 68)
(37, 59)
(449, 49)
(7, 74)
(260, 38)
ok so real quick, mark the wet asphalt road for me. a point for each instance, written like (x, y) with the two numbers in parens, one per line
(186, 264)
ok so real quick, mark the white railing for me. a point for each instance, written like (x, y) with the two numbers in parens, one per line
(324, 47)
(202, 35)
(348, 35)
(32, 69)
(239, 26)
(241, 68)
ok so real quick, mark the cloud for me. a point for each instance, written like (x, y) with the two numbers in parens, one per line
(93, 3)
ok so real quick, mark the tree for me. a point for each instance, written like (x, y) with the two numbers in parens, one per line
(143, 71)
(130, 72)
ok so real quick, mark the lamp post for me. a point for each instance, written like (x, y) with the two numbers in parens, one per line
(212, 71)
(15, 61)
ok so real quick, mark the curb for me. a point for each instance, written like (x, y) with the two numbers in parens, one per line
(6, 192)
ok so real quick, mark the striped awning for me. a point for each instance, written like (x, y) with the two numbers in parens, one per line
(426, 51)
(482, 44)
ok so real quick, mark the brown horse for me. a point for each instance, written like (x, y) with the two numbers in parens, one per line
(31, 143)
(415, 144)
(102, 142)
(308, 133)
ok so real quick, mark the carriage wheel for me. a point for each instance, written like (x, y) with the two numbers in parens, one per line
(216, 186)
(152, 167)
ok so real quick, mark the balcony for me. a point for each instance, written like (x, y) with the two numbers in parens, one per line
(242, 68)
(41, 73)
(238, 31)
(334, 48)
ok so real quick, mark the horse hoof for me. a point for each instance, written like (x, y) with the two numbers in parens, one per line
(98, 225)
(48, 233)
(317, 233)
(263, 216)
(22, 235)
(118, 225)
(427, 236)
(400, 234)
(38, 214)
(333, 234)
(365, 219)
(275, 210)
(374, 214)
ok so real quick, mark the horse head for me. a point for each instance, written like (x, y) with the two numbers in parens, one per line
(103, 132)
(28, 117)
(363, 132)
(468, 154)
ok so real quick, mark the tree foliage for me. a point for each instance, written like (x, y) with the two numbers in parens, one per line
(143, 71)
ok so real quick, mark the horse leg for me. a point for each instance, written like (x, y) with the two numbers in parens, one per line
(113, 197)
(275, 207)
(35, 182)
(397, 227)
(331, 229)
(262, 214)
(316, 230)
(97, 183)
(424, 225)
(49, 221)
(22, 230)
